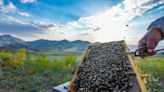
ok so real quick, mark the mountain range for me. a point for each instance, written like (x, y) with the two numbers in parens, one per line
(8, 42)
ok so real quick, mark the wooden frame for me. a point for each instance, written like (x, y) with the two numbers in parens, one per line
(140, 77)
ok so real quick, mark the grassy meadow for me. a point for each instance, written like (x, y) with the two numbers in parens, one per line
(154, 68)
(26, 72)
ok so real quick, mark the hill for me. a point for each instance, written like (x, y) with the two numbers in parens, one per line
(9, 42)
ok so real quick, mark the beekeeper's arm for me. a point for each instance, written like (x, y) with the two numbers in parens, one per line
(154, 35)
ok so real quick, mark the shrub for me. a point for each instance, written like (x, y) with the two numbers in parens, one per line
(5, 56)
(41, 63)
(18, 58)
(36, 71)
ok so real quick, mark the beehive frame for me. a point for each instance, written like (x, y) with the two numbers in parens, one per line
(140, 77)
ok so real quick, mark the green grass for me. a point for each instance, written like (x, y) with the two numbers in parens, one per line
(154, 68)
(24, 72)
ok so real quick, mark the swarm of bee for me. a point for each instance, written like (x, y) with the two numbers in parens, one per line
(106, 69)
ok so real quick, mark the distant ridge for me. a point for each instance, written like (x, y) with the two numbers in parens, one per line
(9, 42)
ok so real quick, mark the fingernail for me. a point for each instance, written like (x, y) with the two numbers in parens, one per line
(150, 50)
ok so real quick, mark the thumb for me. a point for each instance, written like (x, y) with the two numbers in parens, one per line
(150, 50)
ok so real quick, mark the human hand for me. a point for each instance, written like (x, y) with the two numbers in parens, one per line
(151, 39)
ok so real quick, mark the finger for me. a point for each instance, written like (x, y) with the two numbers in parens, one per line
(141, 42)
(151, 44)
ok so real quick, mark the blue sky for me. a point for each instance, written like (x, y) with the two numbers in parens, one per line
(92, 20)
(61, 11)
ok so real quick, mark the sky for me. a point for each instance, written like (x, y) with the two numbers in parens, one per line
(89, 20)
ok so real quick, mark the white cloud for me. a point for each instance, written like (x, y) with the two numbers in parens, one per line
(156, 10)
(105, 26)
(9, 8)
(111, 23)
(10, 20)
(161, 7)
(138, 7)
(24, 14)
(1, 3)
(28, 1)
